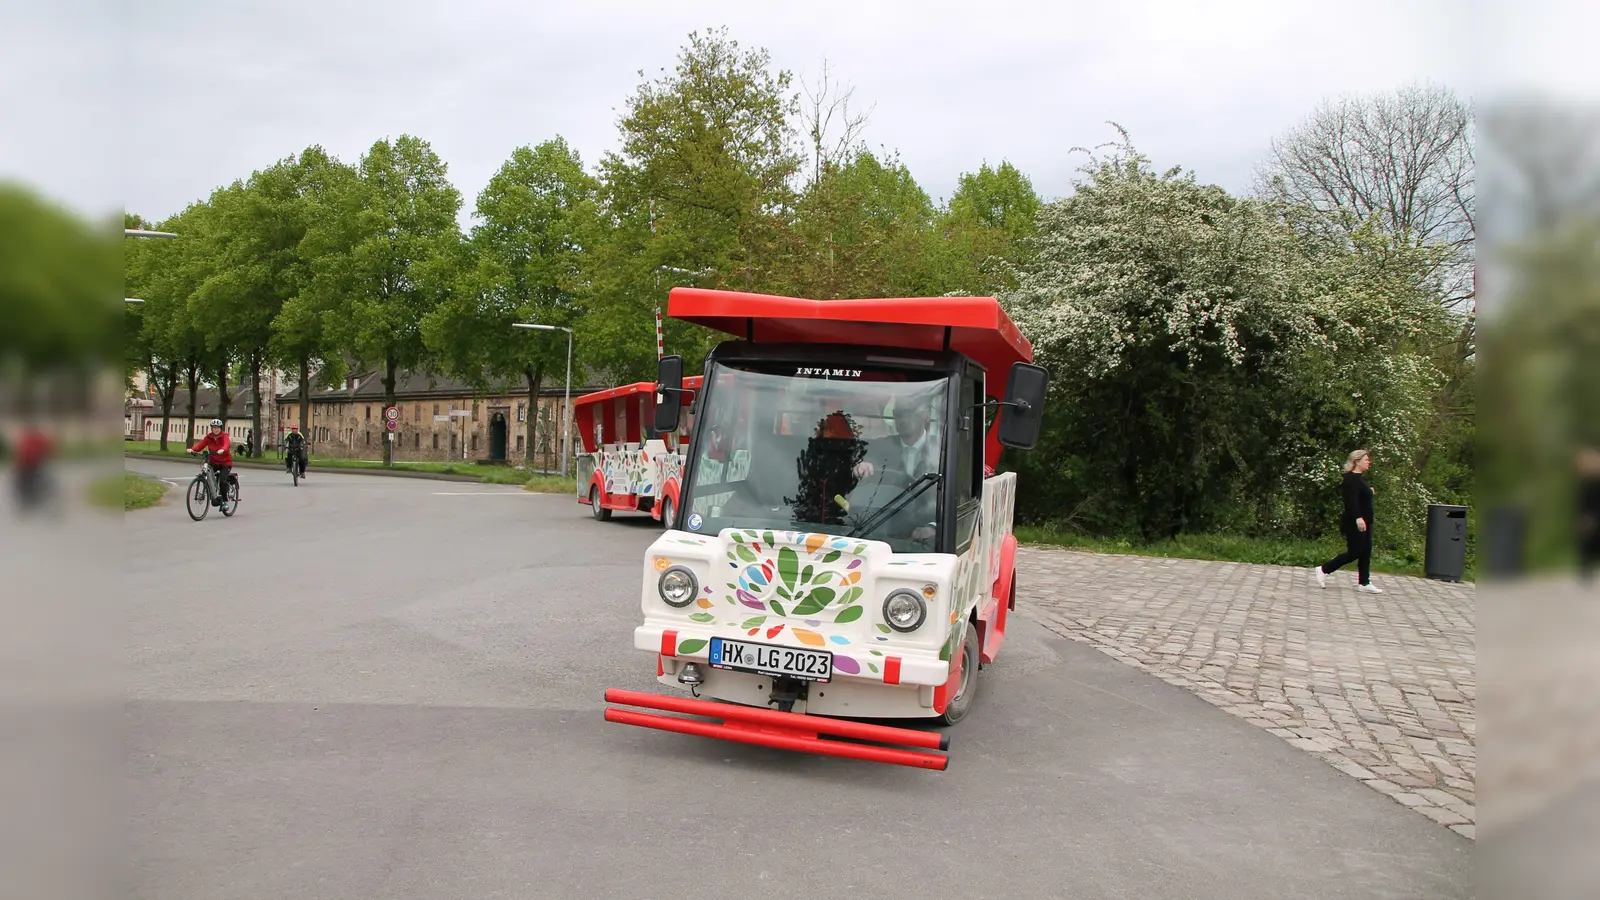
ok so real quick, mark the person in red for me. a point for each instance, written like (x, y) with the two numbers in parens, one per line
(220, 454)
(34, 449)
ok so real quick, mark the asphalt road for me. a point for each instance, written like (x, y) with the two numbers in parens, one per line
(368, 687)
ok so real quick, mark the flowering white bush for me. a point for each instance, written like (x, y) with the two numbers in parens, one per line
(1210, 366)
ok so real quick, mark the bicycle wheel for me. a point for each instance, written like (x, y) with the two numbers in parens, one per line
(295, 471)
(230, 499)
(199, 494)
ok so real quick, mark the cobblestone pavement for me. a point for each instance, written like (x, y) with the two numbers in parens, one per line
(1382, 687)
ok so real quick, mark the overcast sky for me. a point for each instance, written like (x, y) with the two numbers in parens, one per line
(206, 92)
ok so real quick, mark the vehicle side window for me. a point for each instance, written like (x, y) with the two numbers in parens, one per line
(968, 481)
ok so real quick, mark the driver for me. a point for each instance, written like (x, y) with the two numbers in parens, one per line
(914, 451)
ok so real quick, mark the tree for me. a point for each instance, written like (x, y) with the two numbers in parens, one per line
(987, 227)
(300, 338)
(702, 184)
(534, 218)
(1209, 370)
(396, 262)
(864, 228)
(1403, 161)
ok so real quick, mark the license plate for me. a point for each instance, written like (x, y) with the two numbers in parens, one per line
(767, 659)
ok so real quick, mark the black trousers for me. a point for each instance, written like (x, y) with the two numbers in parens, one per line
(1588, 556)
(1357, 549)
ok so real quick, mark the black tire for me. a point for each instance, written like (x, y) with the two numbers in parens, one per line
(199, 492)
(959, 705)
(667, 512)
(230, 499)
(600, 514)
(295, 471)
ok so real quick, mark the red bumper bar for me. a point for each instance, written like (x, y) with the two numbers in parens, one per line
(785, 731)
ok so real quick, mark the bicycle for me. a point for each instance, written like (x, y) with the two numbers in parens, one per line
(296, 464)
(204, 490)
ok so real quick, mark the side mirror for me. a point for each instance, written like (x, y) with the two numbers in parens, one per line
(669, 384)
(1024, 406)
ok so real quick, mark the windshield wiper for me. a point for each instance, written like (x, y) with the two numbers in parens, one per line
(897, 502)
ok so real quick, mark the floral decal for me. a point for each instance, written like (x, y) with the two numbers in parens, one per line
(802, 581)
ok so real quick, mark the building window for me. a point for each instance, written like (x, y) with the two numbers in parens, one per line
(369, 438)
(436, 409)
(474, 442)
(369, 412)
(452, 443)
(416, 440)
(418, 412)
(519, 443)
(436, 442)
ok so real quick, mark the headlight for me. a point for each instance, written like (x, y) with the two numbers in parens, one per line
(677, 586)
(904, 610)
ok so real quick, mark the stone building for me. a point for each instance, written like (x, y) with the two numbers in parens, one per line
(440, 419)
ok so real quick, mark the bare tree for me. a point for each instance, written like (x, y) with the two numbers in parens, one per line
(828, 107)
(1402, 161)
(1541, 165)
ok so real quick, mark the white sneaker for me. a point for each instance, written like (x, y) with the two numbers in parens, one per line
(1369, 588)
(1322, 577)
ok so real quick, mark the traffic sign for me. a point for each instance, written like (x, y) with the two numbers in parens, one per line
(392, 424)
(392, 413)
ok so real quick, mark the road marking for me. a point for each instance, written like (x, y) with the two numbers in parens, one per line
(482, 493)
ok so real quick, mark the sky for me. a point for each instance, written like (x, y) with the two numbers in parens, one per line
(149, 105)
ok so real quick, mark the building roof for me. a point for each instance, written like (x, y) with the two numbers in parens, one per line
(420, 386)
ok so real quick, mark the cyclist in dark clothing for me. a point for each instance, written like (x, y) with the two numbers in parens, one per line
(294, 447)
(1355, 522)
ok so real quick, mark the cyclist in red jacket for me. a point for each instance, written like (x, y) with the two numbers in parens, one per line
(220, 455)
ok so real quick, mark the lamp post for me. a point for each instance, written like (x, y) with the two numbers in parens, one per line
(566, 413)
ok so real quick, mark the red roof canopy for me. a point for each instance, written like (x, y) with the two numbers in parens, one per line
(974, 326)
(977, 327)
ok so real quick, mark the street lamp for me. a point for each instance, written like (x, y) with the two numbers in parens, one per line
(566, 414)
(145, 233)
(132, 300)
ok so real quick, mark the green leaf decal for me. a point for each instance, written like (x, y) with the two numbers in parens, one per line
(738, 538)
(788, 566)
(876, 652)
(873, 667)
(852, 595)
(753, 621)
(692, 645)
(767, 539)
(784, 593)
(831, 556)
(702, 617)
(746, 554)
(811, 605)
(777, 607)
(883, 628)
(822, 577)
(848, 614)
(805, 574)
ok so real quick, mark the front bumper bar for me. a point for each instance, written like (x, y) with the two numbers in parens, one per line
(784, 731)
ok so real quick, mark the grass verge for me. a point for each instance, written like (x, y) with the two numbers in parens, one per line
(1228, 548)
(126, 491)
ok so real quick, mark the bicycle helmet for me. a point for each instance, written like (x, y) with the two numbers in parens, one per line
(216, 423)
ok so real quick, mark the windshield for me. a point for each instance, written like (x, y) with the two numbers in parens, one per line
(836, 449)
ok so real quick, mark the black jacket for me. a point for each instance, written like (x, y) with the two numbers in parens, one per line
(1357, 501)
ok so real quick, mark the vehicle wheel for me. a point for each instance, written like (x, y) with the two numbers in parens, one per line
(601, 514)
(666, 512)
(295, 471)
(230, 499)
(956, 709)
(198, 495)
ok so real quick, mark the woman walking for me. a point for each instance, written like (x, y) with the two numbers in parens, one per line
(1356, 525)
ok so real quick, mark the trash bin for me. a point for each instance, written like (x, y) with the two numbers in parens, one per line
(1504, 538)
(1445, 555)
